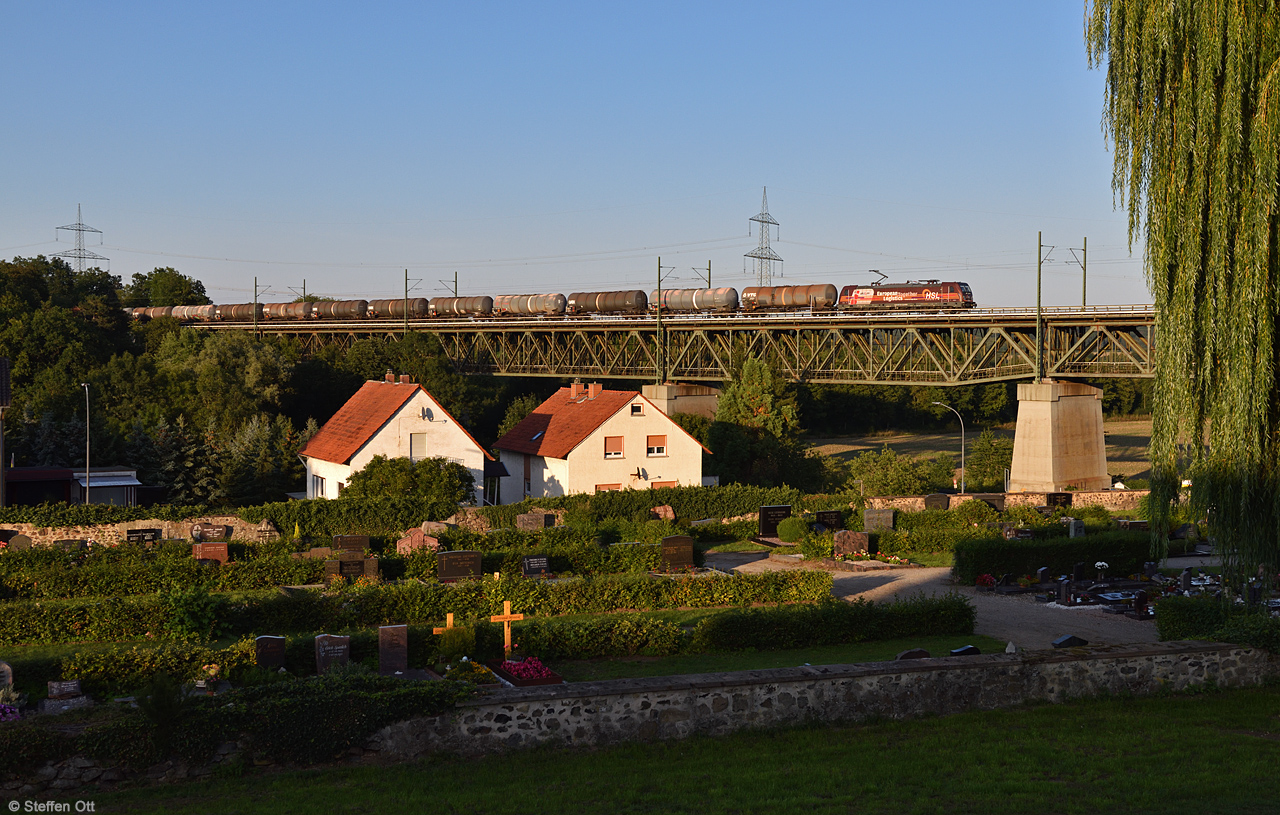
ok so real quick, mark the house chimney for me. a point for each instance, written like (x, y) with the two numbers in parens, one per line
(576, 390)
(390, 377)
(404, 379)
(593, 390)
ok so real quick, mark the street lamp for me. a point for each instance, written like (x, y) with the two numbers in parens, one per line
(963, 471)
(85, 385)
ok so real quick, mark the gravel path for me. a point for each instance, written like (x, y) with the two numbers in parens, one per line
(1019, 619)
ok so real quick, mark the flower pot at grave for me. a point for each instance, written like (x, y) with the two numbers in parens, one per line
(495, 665)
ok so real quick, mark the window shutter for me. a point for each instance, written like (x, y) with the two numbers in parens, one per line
(613, 447)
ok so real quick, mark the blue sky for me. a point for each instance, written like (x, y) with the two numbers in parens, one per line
(562, 147)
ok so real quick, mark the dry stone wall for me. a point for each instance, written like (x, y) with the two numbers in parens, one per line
(115, 534)
(1112, 500)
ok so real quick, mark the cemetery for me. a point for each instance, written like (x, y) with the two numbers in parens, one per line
(472, 634)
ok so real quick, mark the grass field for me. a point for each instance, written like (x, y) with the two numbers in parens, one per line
(1211, 752)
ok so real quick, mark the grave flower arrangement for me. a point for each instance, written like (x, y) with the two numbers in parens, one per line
(986, 581)
(529, 668)
(473, 672)
(9, 713)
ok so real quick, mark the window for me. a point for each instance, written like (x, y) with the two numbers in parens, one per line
(317, 487)
(417, 446)
(528, 475)
(637, 410)
(657, 485)
(613, 447)
(608, 487)
(340, 486)
(656, 446)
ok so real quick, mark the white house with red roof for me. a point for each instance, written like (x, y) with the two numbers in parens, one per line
(587, 439)
(396, 419)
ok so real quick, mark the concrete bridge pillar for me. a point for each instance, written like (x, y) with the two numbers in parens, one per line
(698, 399)
(1059, 441)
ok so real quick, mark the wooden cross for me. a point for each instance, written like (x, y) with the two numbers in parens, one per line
(506, 618)
(448, 623)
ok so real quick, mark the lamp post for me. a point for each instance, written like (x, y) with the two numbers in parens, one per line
(85, 385)
(963, 471)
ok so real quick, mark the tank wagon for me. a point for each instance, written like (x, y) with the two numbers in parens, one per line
(530, 304)
(460, 306)
(818, 296)
(725, 299)
(607, 302)
(396, 307)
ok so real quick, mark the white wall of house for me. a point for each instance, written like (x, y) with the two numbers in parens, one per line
(323, 478)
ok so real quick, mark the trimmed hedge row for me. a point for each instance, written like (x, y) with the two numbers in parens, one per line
(1199, 618)
(1124, 552)
(388, 517)
(138, 617)
(61, 515)
(688, 502)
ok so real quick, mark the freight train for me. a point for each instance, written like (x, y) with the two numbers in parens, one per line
(917, 295)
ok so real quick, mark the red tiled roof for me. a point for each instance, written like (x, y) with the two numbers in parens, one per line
(560, 424)
(361, 418)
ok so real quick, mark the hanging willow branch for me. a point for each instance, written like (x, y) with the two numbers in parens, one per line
(1193, 110)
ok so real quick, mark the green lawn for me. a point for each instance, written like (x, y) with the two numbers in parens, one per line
(1212, 752)
(586, 670)
(738, 546)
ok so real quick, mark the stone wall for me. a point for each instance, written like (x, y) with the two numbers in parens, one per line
(592, 714)
(114, 534)
(1113, 500)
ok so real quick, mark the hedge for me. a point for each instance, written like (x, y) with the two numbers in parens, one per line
(388, 517)
(1203, 618)
(833, 623)
(63, 515)
(612, 636)
(1124, 553)
(139, 617)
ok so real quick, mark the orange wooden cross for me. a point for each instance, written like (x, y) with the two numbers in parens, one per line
(506, 618)
(448, 623)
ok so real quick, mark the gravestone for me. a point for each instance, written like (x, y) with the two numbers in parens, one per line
(350, 565)
(677, 552)
(663, 513)
(1006, 579)
(1043, 576)
(393, 649)
(142, 535)
(6, 535)
(831, 518)
(211, 551)
(1140, 604)
(452, 566)
(1079, 572)
(1069, 641)
(1134, 526)
(19, 543)
(332, 652)
(210, 532)
(874, 520)
(533, 521)
(414, 540)
(314, 553)
(913, 653)
(938, 500)
(6, 675)
(435, 527)
(64, 696)
(770, 517)
(64, 689)
(1014, 533)
(351, 543)
(966, 651)
(70, 546)
(1064, 592)
(1075, 527)
(1055, 500)
(535, 566)
(269, 652)
(1184, 580)
(851, 543)
(1150, 569)
(266, 531)
(995, 500)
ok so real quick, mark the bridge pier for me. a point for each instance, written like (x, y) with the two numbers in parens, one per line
(697, 399)
(1059, 441)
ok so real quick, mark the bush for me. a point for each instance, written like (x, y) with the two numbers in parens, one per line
(792, 530)
(1124, 551)
(1189, 618)
(815, 545)
(612, 636)
(24, 745)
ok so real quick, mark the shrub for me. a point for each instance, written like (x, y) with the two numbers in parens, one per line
(815, 545)
(792, 530)
(1189, 618)
(1125, 551)
(611, 636)
(24, 745)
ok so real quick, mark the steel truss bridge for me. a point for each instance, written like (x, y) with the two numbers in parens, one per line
(948, 348)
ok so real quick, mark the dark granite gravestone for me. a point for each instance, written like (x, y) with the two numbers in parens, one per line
(332, 652)
(71, 546)
(1079, 572)
(1006, 579)
(1043, 576)
(535, 566)
(210, 532)
(269, 652)
(1064, 592)
(1069, 641)
(349, 566)
(457, 566)
(19, 543)
(1184, 580)
(6, 535)
(211, 551)
(913, 653)
(1140, 604)
(677, 552)
(1015, 533)
(142, 535)
(1054, 500)
(1255, 593)
(351, 543)
(995, 500)
(1150, 568)
(64, 689)
(6, 675)
(938, 500)
(966, 651)
(770, 517)
(534, 521)
(832, 519)
(851, 543)
(874, 520)
(1134, 526)
(393, 649)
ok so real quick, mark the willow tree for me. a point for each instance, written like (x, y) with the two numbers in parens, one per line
(1193, 110)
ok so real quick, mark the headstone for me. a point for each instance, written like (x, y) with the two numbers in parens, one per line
(351, 543)
(1134, 526)
(913, 653)
(1006, 579)
(71, 545)
(211, 551)
(677, 552)
(416, 540)
(64, 689)
(1075, 527)
(1255, 593)
(314, 553)
(534, 521)
(19, 543)
(1140, 603)
(663, 513)
(770, 517)
(938, 500)
(269, 652)
(1079, 572)
(332, 652)
(435, 527)
(1011, 648)
(1055, 500)
(1043, 575)
(457, 565)
(874, 520)
(851, 543)
(1182, 532)
(1064, 592)
(995, 500)
(1184, 580)
(831, 518)
(1069, 641)
(6, 535)
(393, 649)
(142, 535)
(266, 531)
(535, 566)
(966, 651)
(210, 532)
(1150, 569)
(1015, 533)
(6, 675)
